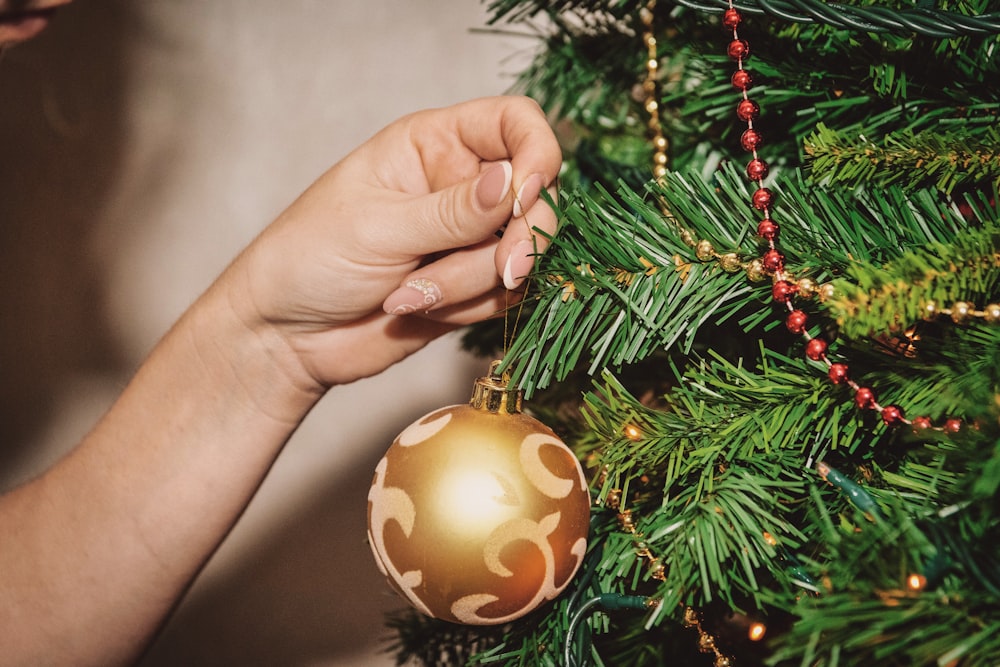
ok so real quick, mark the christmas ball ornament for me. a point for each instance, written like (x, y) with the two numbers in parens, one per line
(478, 513)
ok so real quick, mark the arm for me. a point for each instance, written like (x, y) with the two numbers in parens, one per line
(97, 551)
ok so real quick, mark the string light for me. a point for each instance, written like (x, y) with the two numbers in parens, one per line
(916, 582)
(632, 432)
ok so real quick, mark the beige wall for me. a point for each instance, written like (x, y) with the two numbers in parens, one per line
(141, 145)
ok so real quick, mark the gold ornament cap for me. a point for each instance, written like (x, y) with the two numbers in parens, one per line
(491, 393)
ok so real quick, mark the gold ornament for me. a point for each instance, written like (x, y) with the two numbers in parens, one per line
(478, 513)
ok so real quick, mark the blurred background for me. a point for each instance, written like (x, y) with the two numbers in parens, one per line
(142, 145)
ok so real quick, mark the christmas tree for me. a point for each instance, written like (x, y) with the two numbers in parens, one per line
(769, 327)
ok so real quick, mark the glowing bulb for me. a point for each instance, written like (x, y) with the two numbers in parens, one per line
(632, 432)
(757, 631)
(916, 582)
(770, 539)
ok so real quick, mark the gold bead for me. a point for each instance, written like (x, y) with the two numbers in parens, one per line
(646, 16)
(730, 262)
(930, 310)
(651, 106)
(657, 571)
(660, 143)
(687, 238)
(690, 617)
(650, 42)
(613, 499)
(652, 64)
(706, 643)
(660, 157)
(826, 291)
(755, 271)
(659, 171)
(704, 250)
(960, 311)
(807, 287)
(722, 661)
(991, 313)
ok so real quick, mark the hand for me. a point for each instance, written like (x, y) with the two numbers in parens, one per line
(404, 224)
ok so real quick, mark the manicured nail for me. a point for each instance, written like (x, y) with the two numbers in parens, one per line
(493, 185)
(527, 195)
(414, 295)
(519, 264)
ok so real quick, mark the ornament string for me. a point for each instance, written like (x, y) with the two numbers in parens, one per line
(510, 329)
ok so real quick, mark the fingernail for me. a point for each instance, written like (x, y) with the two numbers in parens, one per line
(493, 185)
(519, 264)
(527, 195)
(417, 294)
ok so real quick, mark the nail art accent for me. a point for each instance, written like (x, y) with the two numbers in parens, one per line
(417, 294)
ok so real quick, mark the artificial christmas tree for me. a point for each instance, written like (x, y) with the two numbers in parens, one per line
(769, 327)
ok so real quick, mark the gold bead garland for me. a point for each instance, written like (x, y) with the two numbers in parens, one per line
(963, 311)
(655, 567)
(704, 250)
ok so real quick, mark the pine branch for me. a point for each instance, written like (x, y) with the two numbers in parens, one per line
(621, 283)
(890, 298)
(945, 160)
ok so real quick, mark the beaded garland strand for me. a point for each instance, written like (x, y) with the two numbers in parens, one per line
(773, 262)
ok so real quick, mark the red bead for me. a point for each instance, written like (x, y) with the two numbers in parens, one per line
(783, 290)
(920, 424)
(738, 49)
(731, 18)
(953, 425)
(747, 110)
(772, 261)
(864, 398)
(796, 321)
(767, 229)
(837, 373)
(757, 169)
(762, 198)
(892, 415)
(816, 349)
(751, 139)
(742, 79)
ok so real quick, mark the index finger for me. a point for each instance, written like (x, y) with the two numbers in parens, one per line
(492, 129)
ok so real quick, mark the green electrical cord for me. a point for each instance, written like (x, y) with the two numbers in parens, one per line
(602, 602)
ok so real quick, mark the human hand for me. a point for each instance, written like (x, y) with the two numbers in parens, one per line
(397, 244)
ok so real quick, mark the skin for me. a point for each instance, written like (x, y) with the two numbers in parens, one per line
(99, 549)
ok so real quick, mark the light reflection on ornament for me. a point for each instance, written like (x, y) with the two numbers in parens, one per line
(474, 498)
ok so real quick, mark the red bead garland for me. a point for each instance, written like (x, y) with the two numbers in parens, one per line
(773, 262)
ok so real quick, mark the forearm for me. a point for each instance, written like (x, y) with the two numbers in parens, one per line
(97, 551)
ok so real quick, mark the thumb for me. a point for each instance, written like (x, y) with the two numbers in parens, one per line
(465, 213)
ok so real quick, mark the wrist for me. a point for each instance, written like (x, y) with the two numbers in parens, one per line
(240, 348)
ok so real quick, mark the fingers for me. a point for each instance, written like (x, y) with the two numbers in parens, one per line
(453, 279)
(512, 154)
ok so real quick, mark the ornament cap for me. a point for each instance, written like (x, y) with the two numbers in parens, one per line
(491, 393)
